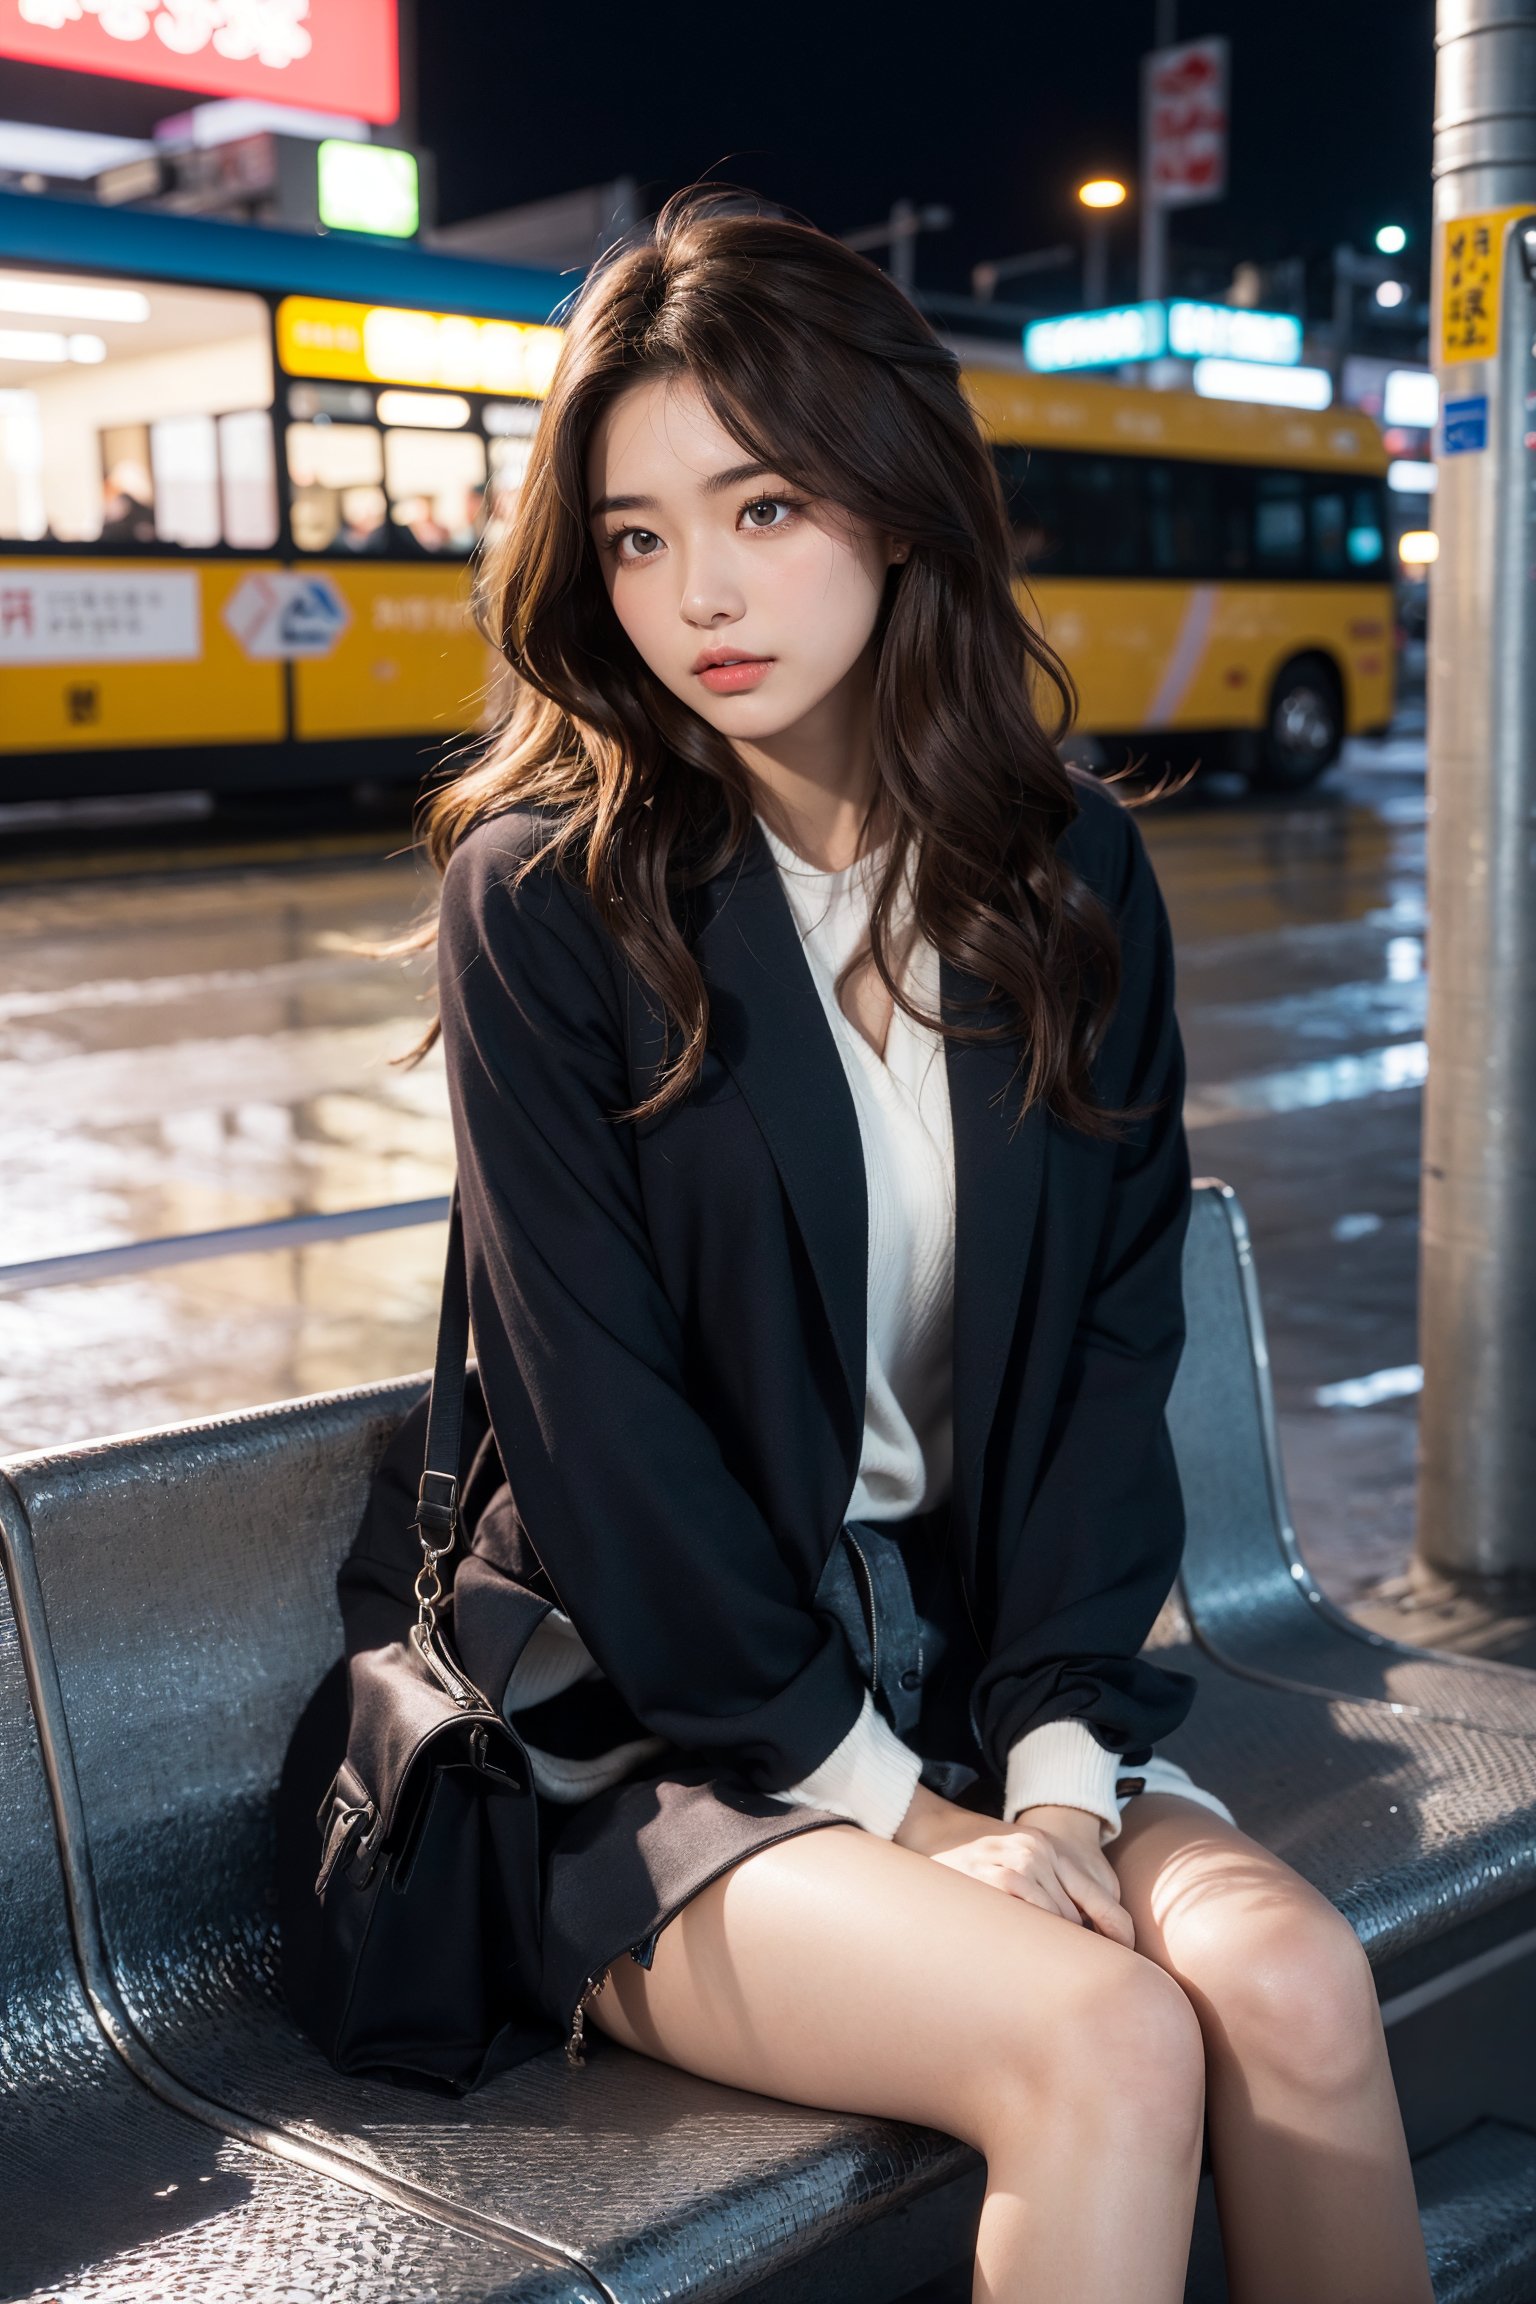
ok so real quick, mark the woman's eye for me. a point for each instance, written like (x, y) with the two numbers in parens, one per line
(766, 512)
(638, 543)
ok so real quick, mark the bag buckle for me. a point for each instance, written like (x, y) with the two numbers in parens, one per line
(436, 1523)
(344, 1822)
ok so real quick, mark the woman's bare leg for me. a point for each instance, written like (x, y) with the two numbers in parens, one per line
(1307, 2149)
(839, 1970)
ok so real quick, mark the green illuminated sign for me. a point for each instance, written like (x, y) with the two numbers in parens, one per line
(368, 188)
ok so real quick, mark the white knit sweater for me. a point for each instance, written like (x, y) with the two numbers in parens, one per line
(901, 1098)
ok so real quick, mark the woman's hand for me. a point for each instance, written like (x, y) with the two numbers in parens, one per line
(1048, 1857)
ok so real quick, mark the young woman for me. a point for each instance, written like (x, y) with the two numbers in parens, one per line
(816, 1090)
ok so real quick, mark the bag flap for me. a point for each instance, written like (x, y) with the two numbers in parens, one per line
(402, 1708)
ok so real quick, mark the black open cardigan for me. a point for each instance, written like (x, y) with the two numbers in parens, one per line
(670, 1316)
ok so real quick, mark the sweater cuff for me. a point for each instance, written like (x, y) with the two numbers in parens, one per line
(1063, 1765)
(871, 1776)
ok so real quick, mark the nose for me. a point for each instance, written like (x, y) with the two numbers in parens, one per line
(711, 595)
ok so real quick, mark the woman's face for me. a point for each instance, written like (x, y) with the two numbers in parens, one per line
(752, 602)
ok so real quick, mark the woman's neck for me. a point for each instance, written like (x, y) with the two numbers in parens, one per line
(815, 783)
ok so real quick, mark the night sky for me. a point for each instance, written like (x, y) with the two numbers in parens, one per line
(838, 107)
(996, 111)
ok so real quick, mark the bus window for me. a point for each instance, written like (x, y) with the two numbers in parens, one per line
(1365, 542)
(353, 403)
(108, 431)
(435, 482)
(184, 470)
(338, 502)
(1189, 521)
(1075, 514)
(127, 485)
(1101, 516)
(509, 469)
(248, 480)
(1329, 527)
(1031, 490)
(1279, 524)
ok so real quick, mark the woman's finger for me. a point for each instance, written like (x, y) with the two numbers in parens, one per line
(1102, 1911)
(1038, 1885)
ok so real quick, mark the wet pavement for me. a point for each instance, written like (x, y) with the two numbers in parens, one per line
(189, 1039)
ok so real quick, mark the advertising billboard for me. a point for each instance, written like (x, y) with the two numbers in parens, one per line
(326, 55)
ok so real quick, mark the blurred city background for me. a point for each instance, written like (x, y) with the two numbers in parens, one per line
(279, 295)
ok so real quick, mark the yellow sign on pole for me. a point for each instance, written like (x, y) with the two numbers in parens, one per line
(1471, 277)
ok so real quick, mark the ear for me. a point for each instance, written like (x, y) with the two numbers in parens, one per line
(900, 553)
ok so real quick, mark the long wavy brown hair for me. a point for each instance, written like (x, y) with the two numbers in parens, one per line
(823, 370)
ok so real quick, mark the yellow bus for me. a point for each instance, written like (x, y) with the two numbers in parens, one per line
(1211, 572)
(241, 472)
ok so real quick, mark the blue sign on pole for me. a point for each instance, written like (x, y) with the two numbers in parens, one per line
(1464, 426)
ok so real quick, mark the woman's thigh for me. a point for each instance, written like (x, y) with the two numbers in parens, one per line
(839, 1970)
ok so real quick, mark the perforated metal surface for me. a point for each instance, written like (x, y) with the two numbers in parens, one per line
(1477, 2198)
(1251, 1600)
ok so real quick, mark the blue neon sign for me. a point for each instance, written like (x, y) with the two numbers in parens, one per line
(1096, 339)
(1188, 330)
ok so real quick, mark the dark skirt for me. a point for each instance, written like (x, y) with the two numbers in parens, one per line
(619, 1866)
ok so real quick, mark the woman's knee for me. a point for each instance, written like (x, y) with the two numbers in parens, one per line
(1285, 1989)
(1113, 2043)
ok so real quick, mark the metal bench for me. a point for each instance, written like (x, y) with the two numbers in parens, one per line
(175, 1591)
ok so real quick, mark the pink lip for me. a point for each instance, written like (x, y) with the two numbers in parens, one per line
(725, 673)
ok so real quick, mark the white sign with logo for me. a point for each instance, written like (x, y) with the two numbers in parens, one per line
(278, 617)
(1187, 113)
(100, 616)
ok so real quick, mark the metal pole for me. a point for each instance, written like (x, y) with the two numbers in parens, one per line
(1477, 1490)
(1095, 263)
(1152, 270)
(1343, 313)
(904, 245)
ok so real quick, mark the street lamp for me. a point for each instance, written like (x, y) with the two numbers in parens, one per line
(1391, 240)
(1100, 197)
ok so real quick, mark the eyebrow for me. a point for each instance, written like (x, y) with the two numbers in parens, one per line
(715, 485)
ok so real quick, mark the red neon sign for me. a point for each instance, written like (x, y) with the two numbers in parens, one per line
(329, 55)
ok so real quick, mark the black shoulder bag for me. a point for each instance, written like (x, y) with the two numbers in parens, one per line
(410, 1953)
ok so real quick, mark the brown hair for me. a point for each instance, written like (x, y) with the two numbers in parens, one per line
(821, 368)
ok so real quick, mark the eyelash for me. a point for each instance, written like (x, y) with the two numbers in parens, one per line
(790, 504)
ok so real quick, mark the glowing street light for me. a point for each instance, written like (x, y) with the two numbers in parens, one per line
(1101, 195)
(1391, 240)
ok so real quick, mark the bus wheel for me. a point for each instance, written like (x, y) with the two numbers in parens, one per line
(1305, 728)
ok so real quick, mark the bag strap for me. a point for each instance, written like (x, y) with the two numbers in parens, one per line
(437, 1500)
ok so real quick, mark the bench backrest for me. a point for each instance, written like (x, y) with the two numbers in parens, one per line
(1245, 1585)
(187, 1582)
(37, 1970)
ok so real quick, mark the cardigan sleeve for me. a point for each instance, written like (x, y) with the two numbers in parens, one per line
(1081, 1579)
(655, 1550)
